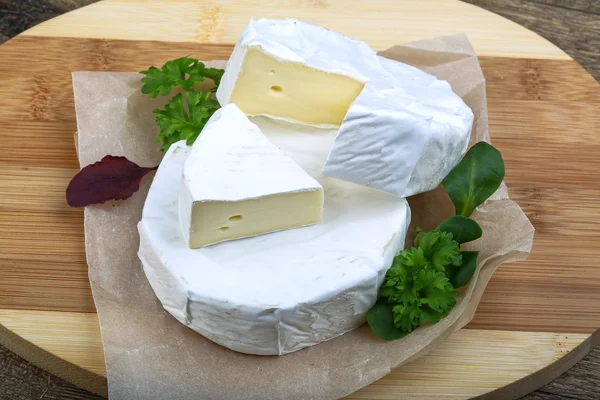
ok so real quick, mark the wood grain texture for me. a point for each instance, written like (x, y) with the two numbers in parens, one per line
(452, 362)
(20, 380)
(49, 361)
(542, 113)
(573, 25)
(529, 86)
(80, 344)
(435, 376)
(221, 22)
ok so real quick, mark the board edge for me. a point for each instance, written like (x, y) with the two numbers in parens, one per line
(53, 364)
(540, 378)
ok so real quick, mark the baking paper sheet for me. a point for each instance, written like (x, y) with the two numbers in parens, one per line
(149, 355)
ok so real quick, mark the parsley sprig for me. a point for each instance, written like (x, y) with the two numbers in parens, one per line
(417, 283)
(178, 122)
(421, 285)
(186, 114)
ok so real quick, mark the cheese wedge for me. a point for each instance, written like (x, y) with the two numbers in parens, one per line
(401, 130)
(237, 184)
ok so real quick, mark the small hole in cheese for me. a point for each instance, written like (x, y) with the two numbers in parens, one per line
(223, 229)
(276, 89)
(235, 218)
(272, 72)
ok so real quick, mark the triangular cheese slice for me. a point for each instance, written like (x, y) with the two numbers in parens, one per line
(238, 184)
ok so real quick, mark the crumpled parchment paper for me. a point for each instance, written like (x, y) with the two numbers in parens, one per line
(149, 355)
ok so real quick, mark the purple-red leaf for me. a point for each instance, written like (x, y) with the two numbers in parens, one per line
(112, 178)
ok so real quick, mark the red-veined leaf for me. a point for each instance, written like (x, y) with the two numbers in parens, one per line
(112, 178)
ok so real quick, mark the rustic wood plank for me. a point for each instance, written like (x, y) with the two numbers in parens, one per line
(46, 144)
(34, 188)
(53, 236)
(33, 96)
(45, 285)
(525, 79)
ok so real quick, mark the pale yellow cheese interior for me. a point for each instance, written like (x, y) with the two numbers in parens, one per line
(294, 91)
(218, 221)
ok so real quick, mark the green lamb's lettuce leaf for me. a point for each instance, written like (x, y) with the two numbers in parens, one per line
(420, 286)
(381, 319)
(475, 178)
(461, 276)
(463, 229)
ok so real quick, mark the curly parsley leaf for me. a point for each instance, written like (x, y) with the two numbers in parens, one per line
(438, 293)
(417, 286)
(184, 117)
(216, 75)
(183, 72)
(399, 284)
(407, 316)
(440, 249)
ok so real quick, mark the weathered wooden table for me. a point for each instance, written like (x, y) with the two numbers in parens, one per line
(574, 25)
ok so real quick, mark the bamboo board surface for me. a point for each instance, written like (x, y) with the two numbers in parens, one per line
(536, 318)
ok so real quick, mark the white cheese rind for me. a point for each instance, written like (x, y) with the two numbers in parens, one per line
(280, 292)
(401, 145)
(234, 171)
(232, 160)
(426, 124)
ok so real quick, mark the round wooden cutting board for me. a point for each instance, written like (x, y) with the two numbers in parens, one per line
(537, 317)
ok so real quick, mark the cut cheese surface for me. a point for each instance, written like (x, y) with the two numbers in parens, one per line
(401, 130)
(238, 184)
(214, 221)
(283, 291)
(292, 90)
